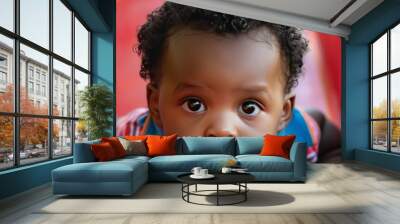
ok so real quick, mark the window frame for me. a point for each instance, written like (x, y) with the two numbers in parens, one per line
(388, 74)
(16, 115)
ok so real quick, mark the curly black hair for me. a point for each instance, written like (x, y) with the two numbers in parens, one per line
(153, 34)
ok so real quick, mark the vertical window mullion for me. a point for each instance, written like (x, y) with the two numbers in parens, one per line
(73, 82)
(50, 87)
(371, 142)
(389, 106)
(16, 84)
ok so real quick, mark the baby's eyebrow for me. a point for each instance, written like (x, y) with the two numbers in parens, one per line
(254, 89)
(183, 86)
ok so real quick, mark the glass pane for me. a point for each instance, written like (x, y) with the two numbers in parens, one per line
(33, 139)
(81, 131)
(81, 81)
(395, 47)
(379, 135)
(6, 74)
(6, 142)
(62, 138)
(81, 45)
(379, 55)
(379, 97)
(62, 89)
(395, 132)
(35, 21)
(34, 72)
(7, 14)
(62, 29)
(395, 94)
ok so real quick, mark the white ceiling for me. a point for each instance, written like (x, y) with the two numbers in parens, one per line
(327, 16)
(321, 9)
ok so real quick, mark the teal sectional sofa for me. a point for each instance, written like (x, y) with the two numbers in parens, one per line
(125, 176)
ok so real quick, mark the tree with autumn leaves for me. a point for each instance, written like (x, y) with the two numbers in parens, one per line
(33, 131)
(380, 127)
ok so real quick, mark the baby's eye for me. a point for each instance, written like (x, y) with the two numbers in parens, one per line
(194, 105)
(250, 108)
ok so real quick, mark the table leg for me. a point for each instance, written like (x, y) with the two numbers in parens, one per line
(245, 193)
(188, 189)
(217, 194)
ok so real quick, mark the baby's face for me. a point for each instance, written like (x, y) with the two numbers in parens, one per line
(220, 86)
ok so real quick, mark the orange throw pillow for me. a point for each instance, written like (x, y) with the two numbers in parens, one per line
(116, 145)
(103, 152)
(277, 145)
(161, 145)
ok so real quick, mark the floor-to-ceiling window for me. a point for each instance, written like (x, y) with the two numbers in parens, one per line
(385, 91)
(44, 64)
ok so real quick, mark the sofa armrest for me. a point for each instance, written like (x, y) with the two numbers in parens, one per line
(83, 152)
(298, 155)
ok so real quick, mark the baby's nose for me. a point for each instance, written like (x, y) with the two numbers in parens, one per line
(224, 126)
(220, 133)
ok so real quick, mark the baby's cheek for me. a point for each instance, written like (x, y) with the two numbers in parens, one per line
(174, 121)
(264, 124)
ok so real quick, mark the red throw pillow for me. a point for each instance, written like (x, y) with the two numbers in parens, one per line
(103, 152)
(161, 145)
(277, 145)
(116, 145)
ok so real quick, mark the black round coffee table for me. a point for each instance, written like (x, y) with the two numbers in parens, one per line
(238, 179)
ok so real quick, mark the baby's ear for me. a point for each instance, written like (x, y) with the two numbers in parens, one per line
(152, 94)
(287, 109)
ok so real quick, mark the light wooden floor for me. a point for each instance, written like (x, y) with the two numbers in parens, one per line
(378, 188)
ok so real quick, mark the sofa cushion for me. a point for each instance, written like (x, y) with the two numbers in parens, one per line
(257, 163)
(83, 152)
(206, 145)
(134, 147)
(116, 145)
(103, 152)
(135, 137)
(161, 145)
(185, 163)
(111, 171)
(131, 158)
(249, 145)
(277, 145)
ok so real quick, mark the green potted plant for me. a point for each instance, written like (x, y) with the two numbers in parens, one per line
(96, 102)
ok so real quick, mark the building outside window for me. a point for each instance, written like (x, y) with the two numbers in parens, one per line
(30, 72)
(43, 90)
(38, 89)
(37, 75)
(385, 91)
(58, 125)
(3, 72)
(30, 87)
(3, 77)
(3, 60)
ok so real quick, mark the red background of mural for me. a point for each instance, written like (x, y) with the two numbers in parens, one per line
(131, 89)
(320, 87)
